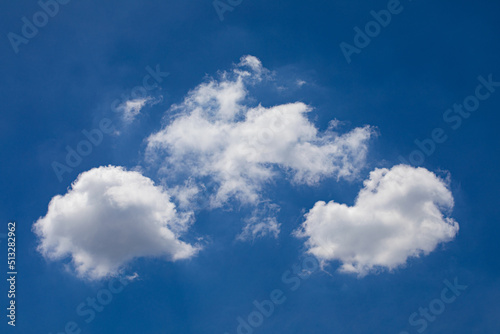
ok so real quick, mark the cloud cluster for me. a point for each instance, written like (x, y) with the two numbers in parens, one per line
(220, 148)
(216, 135)
(398, 214)
(109, 217)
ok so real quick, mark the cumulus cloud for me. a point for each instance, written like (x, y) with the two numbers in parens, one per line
(217, 137)
(397, 215)
(109, 217)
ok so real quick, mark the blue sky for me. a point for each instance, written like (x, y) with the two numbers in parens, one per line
(206, 212)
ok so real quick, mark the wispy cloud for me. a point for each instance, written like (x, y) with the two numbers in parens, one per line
(263, 222)
(132, 108)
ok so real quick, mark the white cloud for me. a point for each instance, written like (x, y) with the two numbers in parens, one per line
(397, 215)
(262, 223)
(109, 217)
(217, 137)
(185, 194)
(131, 109)
(258, 228)
(300, 83)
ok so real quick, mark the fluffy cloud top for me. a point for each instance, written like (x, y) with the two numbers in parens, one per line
(215, 135)
(109, 217)
(397, 215)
